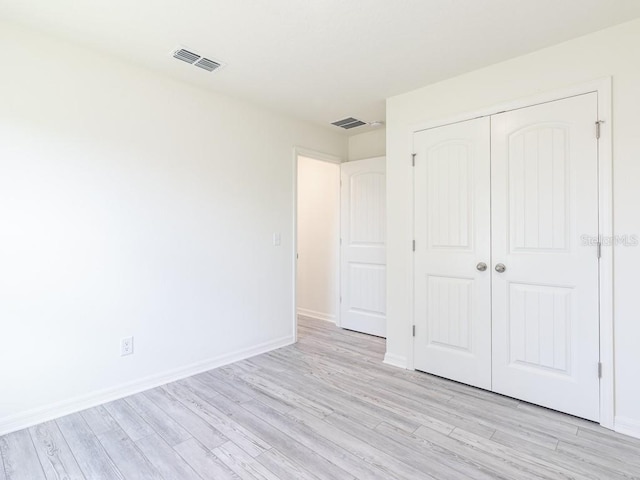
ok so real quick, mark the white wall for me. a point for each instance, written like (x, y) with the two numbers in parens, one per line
(132, 204)
(318, 238)
(613, 52)
(368, 145)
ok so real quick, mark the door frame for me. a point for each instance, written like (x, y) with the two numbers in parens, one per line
(603, 88)
(322, 157)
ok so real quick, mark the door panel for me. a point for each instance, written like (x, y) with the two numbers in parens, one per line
(545, 304)
(452, 234)
(363, 258)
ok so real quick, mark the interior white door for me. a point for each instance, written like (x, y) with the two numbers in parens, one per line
(452, 276)
(363, 255)
(545, 304)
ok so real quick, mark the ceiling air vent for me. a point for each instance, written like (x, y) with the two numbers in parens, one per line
(206, 64)
(348, 123)
(185, 55)
(195, 59)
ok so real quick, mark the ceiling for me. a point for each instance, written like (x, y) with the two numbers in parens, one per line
(320, 60)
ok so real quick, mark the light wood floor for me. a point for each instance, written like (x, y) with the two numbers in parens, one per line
(326, 408)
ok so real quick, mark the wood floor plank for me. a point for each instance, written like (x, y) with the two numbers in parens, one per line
(228, 382)
(306, 363)
(596, 446)
(283, 467)
(288, 395)
(132, 423)
(127, 457)
(379, 442)
(322, 468)
(616, 462)
(242, 464)
(266, 361)
(206, 434)
(510, 417)
(56, 457)
(20, 458)
(530, 464)
(204, 461)
(165, 459)
(580, 468)
(608, 437)
(507, 419)
(447, 454)
(247, 441)
(355, 407)
(439, 415)
(394, 468)
(87, 449)
(165, 426)
(440, 419)
(219, 383)
(99, 420)
(268, 398)
(321, 445)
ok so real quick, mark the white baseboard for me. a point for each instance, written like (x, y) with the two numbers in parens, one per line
(395, 360)
(627, 426)
(316, 315)
(50, 412)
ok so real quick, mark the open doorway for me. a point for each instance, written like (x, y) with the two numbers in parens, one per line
(318, 237)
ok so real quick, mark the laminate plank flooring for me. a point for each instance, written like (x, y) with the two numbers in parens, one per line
(55, 455)
(325, 408)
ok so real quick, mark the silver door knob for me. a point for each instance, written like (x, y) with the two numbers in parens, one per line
(481, 266)
(500, 268)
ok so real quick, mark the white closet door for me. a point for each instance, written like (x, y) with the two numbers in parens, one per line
(452, 233)
(545, 304)
(363, 255)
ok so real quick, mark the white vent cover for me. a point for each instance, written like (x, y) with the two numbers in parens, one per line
(195, 59)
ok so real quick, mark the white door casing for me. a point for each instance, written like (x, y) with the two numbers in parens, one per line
(363, 251)
(452, 308)
(545, 304)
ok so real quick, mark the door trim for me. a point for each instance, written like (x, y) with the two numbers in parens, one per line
(603, 89)
(324, 157)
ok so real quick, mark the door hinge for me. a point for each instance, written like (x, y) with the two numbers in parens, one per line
(413, 245)
(413, 330)
(340, 241)
(413, 159)
(599, 369)
(598, 124)
(340, 298)
(599, 249)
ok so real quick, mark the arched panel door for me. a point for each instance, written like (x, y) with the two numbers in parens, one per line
(363, 253)
(452, 280)
(545, 230)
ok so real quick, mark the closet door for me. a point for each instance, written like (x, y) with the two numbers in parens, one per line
(545, 276)
(452, 261)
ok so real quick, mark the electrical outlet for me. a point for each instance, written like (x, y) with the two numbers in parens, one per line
(126, 346)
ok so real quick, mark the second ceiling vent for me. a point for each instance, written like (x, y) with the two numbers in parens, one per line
(348, 123)
(196, 59)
